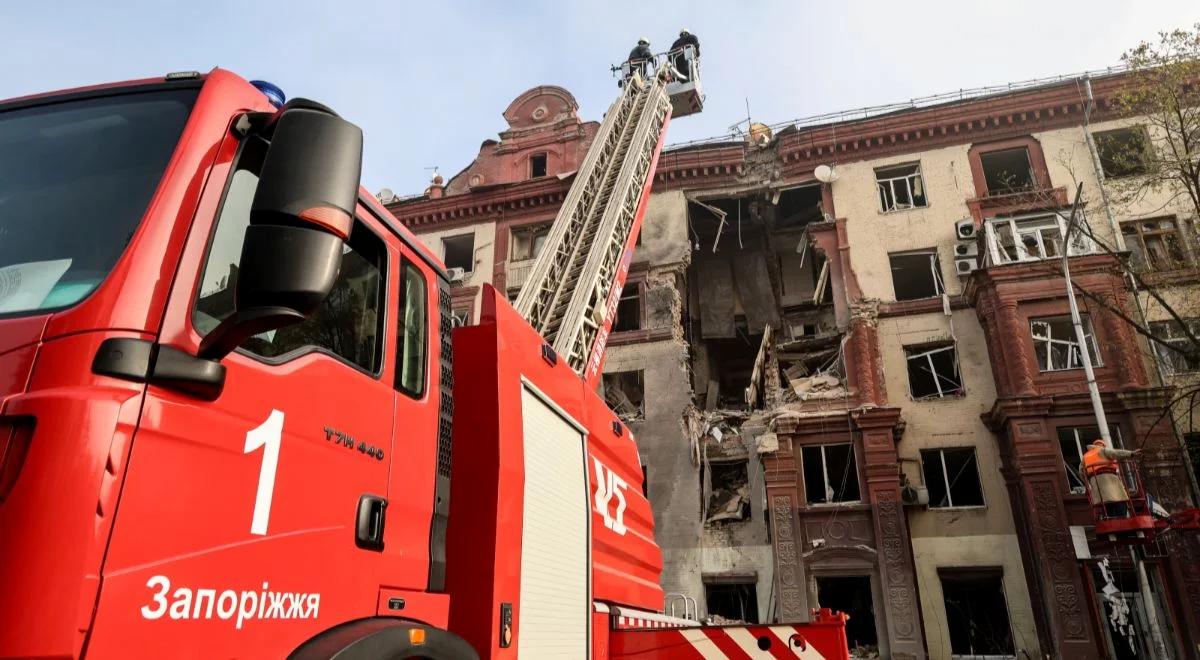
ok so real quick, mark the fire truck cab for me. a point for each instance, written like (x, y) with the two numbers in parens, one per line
(154, 479)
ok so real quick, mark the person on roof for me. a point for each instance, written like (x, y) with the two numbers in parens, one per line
(1103, 477)
(678, 58)
(641, 58)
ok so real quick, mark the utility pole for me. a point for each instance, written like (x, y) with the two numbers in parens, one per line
(1149, 604)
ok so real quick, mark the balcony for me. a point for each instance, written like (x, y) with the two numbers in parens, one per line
(1032, 238)
(517, 272)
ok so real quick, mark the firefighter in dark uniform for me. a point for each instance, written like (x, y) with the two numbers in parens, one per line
(641, 58)
(677, 56)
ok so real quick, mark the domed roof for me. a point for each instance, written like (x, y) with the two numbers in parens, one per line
(544, 104)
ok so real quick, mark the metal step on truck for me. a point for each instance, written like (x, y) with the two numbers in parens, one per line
(235, 420)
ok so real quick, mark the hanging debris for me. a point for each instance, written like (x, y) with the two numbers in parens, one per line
(1118, 608)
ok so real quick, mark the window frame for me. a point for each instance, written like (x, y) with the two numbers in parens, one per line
(927, 350)
(1033, 178)
(442, 244)
(825, 473)
(640, 414)
(1034, 225)
(1166, 357)
(360, 222)
(964, 576)
(1089, 332)
(405, 265)
(545, 156)
(632, 289)
(935, 267)
(532, 231)
(911, 181)
(941, 455)
(1140, 233)
(1098, 137)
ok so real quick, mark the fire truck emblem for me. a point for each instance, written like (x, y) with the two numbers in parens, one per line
(608, 486)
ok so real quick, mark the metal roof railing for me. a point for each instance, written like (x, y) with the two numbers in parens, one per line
(870, 112)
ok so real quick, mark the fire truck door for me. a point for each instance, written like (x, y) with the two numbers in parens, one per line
(238, 527)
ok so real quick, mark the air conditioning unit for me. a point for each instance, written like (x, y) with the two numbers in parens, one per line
(914, 495)
(456, 274)
(965, 229)
(966, 249)
(965, 266)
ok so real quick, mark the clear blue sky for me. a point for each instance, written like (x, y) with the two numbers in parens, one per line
(427, 81)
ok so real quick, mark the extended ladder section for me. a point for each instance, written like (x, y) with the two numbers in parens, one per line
(572, 291)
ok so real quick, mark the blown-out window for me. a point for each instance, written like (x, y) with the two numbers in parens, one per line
(830, 474)
(1056, 346)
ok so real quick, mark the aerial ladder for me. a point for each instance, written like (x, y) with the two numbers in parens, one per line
(572, 292)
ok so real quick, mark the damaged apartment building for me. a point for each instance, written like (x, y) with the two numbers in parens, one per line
(847, 365)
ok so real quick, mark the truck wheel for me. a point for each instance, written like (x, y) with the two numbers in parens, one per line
(385, 639)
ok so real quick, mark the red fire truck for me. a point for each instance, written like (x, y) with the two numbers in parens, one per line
(228, 401)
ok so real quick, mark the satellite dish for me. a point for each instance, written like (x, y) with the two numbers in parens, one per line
(825, 173)
(385, 195)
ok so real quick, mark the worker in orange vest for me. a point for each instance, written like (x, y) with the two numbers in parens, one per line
(1103, 476)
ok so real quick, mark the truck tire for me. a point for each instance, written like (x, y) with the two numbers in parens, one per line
(384, 639)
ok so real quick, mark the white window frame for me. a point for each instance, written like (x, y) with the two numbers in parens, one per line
(825, 474)
(1044, 229)
(1072, 344)
(934, 268)
(909, 181)
(1172, 335)
(460, 318)
(941, 454)
(937, 379)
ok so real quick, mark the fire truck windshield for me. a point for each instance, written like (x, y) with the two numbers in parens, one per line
(76, 177)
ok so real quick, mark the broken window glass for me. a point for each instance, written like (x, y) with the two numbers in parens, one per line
(732, 601)
(1154, 244)
(830, 474)
(851, 594)
(916, 275)
(459, 251)
(900, 187)
(1187, 358)
(952, 477)
(1032, 239)
(629, 308)
(1055, 346)
(537, 165)
(1124, 151)
(1007, 171)
(527, 242)
(977, 613)
(933, 372)
(1073, 441)
(730, 498)
(623, 393)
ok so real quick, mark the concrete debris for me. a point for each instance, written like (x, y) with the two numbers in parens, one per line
(820, 386)
(767, 442)
(729, 504)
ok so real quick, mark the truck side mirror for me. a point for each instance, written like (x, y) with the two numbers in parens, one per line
(300, 218)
